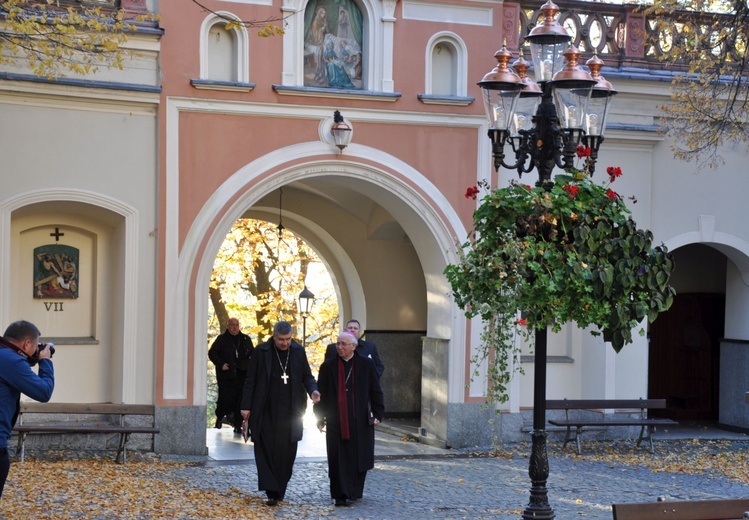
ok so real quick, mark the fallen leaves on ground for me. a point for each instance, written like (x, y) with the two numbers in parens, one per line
(97, 488)
(691, 457)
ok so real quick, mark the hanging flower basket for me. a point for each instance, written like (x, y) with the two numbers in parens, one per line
(568, 251)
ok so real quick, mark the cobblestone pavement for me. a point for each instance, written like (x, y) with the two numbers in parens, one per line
(466, 486)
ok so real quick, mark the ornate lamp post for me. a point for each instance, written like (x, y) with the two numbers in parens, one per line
(544, 122)
(306, 299)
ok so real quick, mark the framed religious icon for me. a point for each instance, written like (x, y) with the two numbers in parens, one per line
(56, 271)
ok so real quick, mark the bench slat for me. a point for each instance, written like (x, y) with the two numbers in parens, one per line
(683, 510)
(82, 428)
(87, 408)
(622, 421)
(597, 404)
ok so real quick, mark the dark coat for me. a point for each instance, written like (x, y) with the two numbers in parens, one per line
(222, 351)
(366, 349)
(256, 385)
(367, 392)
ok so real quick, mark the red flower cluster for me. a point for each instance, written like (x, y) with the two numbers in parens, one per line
(612, 194)
(522, 322)
(472, 192)
(613, 172)
(571, 189)
(583, 151)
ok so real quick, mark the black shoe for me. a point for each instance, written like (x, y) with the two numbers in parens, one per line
(271, 502)
(218, 423)
(340, 502)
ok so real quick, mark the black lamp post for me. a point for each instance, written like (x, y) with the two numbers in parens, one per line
(544, 123)
(306, 298)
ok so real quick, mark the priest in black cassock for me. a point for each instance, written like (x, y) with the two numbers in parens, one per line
(275, 398)
(351, 404)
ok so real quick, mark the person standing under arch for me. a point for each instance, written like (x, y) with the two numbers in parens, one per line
(231, 353)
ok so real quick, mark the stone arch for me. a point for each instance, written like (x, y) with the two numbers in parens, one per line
(411, 198)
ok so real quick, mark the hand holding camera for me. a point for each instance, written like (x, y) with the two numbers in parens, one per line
(45, 351)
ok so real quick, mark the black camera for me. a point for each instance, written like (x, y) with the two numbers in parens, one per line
(41, 346)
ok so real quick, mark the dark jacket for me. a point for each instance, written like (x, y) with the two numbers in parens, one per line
(255, 395)
(222, 351)
(368, 394)
(366, 349)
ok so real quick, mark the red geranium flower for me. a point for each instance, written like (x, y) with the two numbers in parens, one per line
(571, 189)
(583, 151)
(472, 192)
(613, 172)
(612, 194)
(522, 322)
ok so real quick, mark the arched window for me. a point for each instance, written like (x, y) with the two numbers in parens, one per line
(333, 45)
(223, 52)
(221, 49)
(446, 66)
(444, 69)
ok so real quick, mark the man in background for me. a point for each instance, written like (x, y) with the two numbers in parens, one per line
(230, 352)
(363, 348)
(19, 351)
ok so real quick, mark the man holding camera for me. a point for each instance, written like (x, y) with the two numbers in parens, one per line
(19, 351)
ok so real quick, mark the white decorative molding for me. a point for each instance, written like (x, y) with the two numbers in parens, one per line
(444, 13)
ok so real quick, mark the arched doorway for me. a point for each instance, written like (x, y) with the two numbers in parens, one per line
(698, 360)
(385, 232)
(684, 356)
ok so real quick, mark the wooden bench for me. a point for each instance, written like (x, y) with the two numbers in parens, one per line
(647, 425)
(737, 509)
(85, 418)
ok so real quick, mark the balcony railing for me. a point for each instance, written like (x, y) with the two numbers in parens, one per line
(623, 35)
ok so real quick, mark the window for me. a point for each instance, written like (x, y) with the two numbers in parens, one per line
(446, 67)
(223, 52)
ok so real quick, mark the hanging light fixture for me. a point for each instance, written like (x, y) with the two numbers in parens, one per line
(340, 131)
(280, 226)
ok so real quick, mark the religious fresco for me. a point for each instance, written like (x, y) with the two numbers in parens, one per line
(333, 44)
(55, 271)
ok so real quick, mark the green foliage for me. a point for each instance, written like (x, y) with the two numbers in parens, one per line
(568, 251)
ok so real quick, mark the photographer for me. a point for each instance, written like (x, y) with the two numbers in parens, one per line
(19, 351)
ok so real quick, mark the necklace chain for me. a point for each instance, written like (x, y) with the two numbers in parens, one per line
(283, 367)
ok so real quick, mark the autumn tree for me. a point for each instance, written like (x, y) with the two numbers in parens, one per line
(707, 40)
(55, 37)
(258, 274)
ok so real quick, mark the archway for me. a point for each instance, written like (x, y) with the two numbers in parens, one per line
(397, 200)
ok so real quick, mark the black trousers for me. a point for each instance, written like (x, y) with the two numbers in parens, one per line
(4, 468)
(230, 399)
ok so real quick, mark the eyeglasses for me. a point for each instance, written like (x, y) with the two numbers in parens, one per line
(343, 343)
